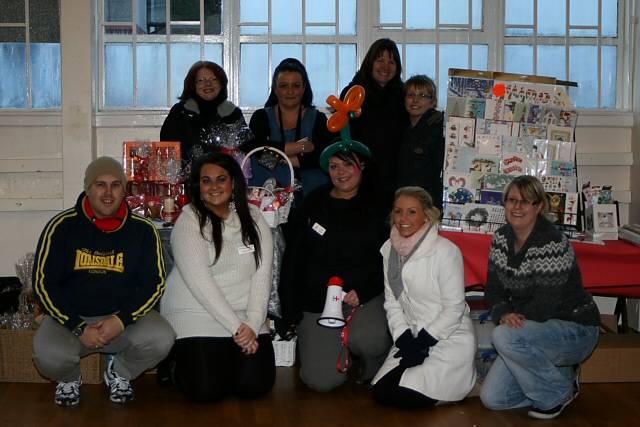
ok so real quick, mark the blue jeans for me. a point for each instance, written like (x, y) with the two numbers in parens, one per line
(534, 363)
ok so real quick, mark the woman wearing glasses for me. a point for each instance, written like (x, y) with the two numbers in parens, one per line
(547, 322)
(421, 152)
(203, 105)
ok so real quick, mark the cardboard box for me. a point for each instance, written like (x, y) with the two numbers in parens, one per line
(615, 359)
(16, 363)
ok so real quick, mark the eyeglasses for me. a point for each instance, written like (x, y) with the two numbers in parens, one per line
(211, 80)
(419, 96)
(519, 202)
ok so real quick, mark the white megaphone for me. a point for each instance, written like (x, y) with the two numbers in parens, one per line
(332, 314)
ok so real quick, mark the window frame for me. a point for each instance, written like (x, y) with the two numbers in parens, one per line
(368, 29)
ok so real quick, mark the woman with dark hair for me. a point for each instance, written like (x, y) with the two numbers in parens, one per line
(203, 105)
(218, 290)
(547, 323)
(337, 231)
(291, 123)
(421, 152)
(432, 359)
(383, 116)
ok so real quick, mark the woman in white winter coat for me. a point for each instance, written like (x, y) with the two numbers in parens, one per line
(432, 359)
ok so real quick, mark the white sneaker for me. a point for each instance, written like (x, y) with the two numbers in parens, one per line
(120, 390)
(68, 393)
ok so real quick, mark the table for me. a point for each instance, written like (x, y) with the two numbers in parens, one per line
(612, 269)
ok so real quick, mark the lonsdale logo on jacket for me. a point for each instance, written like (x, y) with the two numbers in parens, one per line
(111, 261)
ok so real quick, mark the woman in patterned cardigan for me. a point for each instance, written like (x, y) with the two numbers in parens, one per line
(547, 322)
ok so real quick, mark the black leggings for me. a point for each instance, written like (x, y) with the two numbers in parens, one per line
(207, 369)
(388, 391)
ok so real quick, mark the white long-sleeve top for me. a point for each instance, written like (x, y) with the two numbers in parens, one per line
(204, 299)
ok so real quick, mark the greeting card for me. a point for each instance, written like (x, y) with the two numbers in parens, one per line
(512, 164)
(459, 158)
(458, 187)
(489, 145)
(495, 181)
(485, 164)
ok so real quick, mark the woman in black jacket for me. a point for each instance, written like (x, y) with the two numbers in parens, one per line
(337, 231)
(202, 108)
(421, 153)
(383, 116)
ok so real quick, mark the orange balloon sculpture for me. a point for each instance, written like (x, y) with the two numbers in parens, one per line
(349, 108)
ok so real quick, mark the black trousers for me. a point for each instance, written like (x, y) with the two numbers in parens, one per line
(388, 391)
(208, 369)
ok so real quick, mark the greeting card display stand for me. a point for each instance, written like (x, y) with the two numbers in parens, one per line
(499, 126)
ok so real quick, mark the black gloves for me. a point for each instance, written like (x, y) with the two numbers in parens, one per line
(413, 351)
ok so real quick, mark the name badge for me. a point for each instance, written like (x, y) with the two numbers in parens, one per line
(246, 249)
(319, 229)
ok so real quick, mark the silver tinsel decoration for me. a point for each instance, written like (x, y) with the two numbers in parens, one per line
(24, 317)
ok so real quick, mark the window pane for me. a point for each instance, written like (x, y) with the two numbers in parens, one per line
(583, 68)
(320, 59)
(282, 51)
(320, 10)
(421, 59)
(253, 30)
(13, 69)
(480, 57)
(519, 12)
(347, 68)
(451, 56)
(155, 20)
(185, 16)
(286, 17)
(390, 12)
(477, 14)
(253, 10)
(321, 30)
(518, 59)
(551, 18)
(212, 16)
(610, 18)
(609, 69)
(584, 12)
(44, 21)
(118, 70)
(348, 17)
(12, 11)
(12, 34)
(551, 61)
(421, 14)
(117, 10)
(213, 52)
(45, 75)
(183, 56)
(254, 74)
(152, 74)
(454, 12)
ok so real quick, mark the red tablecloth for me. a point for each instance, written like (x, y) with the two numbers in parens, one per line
(612, 269)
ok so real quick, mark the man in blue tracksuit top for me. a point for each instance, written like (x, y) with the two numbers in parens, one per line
(98, 273)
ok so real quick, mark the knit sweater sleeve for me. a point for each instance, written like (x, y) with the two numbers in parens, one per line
(261, 288)
(496, 296)
(193, 260)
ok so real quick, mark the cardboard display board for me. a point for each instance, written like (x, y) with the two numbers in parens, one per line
(500, 126)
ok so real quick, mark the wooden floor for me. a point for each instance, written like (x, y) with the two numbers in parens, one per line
(290, 404)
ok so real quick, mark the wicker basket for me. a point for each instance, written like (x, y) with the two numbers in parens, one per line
(285, 352)
(281, 215)
(16, 363)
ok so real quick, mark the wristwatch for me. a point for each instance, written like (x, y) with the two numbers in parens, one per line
(79, 330)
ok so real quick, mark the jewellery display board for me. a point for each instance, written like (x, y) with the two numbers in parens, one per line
(499, 126)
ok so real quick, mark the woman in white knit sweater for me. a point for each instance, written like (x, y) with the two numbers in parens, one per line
(218, 290)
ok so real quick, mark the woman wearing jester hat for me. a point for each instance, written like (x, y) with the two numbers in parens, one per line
(338, 231)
